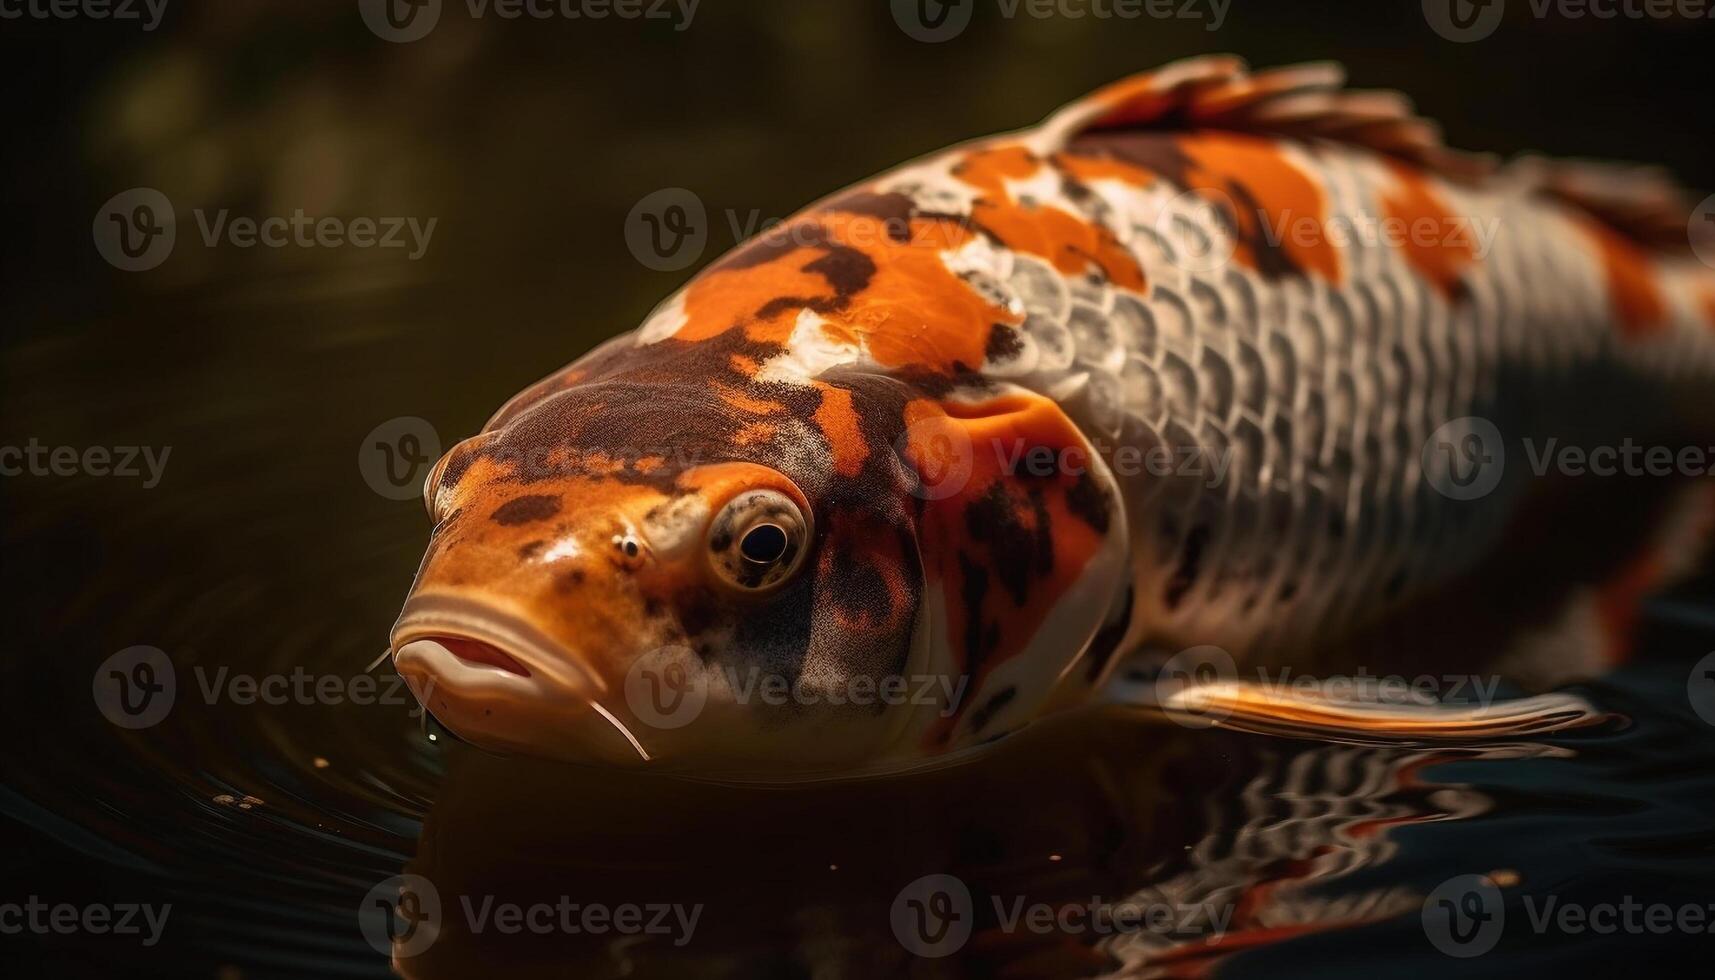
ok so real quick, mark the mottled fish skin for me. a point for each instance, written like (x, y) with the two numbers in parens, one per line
(1063, 291)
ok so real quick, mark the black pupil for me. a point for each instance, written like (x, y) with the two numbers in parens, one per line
(763, 544)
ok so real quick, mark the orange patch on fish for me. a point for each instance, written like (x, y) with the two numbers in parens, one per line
(881, 284)
(728, 296)
(753, 434)
(1634, 292)
(1271, 197)
(838, 420)
(1007, 540)
(989, 169)
(916, 312)
(1433, 243)
(747, 403)
(1070, 242)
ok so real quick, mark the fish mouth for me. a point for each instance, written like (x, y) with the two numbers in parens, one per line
(497, 681)
(476, 648)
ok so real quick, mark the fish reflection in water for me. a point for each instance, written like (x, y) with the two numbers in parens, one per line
(1147, 849)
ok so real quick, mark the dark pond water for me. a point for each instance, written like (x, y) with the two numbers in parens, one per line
(271, 829)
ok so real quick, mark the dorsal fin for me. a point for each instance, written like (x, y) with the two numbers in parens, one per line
(1642, 201)
(1310, 101)
(1307, 101)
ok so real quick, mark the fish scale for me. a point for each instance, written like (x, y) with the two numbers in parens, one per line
(1320, 393)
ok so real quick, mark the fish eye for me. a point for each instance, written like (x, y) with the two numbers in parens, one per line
(758, 540)
(763, 544)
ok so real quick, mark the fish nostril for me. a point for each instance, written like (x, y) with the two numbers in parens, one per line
(479, 652)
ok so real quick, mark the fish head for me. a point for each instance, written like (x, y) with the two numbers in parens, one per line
(624, 575)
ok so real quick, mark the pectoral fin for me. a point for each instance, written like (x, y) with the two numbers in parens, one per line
(1257, 707)
(1200, 688)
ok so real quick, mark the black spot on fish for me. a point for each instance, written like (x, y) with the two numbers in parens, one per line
(1018, 551)
(985, 714)
(972, 591)
(1089, 502)
(893, 210)
(1003, 344)
(860, 591)
(531, 550)
(523, 510)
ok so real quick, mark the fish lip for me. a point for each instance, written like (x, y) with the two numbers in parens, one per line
(427, 617)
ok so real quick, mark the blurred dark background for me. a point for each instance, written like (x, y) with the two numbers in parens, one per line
(528, 141)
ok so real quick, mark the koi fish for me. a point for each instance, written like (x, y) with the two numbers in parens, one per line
(1207, 358)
